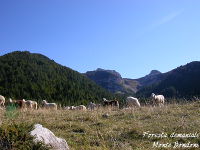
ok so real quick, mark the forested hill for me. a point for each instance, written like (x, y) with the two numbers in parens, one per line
(183, 81)
(34, 76)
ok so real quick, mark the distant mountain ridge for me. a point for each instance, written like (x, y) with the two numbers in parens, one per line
(183, 81)
(112, 80)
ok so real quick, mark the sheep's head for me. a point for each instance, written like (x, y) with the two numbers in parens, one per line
(10, 100)
(44, 102)
(153, 95)
(104, 99)
(128, 97)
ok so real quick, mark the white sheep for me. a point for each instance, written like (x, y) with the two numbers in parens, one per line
(66, 108)
(35, 105)
(28, 104)
(112, 103)
(92, 106)
(80, 107)
(72, 108)
(158, 99)
(31, 104)
(2, 101)
(49, 105)
(132, 102)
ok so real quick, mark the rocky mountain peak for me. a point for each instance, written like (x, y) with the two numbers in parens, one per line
(154, 72)
(103, 73)
(110, 80)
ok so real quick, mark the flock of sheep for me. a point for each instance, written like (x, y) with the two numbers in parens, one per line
(33, 105)
(27, 104)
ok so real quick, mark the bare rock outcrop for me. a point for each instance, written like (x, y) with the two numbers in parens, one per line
(44, 135)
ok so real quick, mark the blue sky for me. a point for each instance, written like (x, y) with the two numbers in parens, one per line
(132, 37)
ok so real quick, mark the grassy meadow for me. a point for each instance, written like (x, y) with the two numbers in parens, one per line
(122, 129)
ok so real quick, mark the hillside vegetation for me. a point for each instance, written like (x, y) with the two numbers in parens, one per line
(180, 82)
(121, 130)
(34, 76)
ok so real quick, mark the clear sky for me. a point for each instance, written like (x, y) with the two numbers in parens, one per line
(132, 37)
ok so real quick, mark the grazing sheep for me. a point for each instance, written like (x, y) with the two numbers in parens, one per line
(81, 107)
(92, 106)
(31, 104)
(28, 104)
(132, 102)
(112, 103)
(72, 108)
(2, 101)
(18, 103)
(35, 105)
(49, 105)
(66, 108)
(158, 99)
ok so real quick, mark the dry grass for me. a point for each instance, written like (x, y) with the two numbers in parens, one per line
(122, 129)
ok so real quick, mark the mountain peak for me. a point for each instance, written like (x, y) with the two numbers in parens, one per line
(111, 80)
(154, 72)
(100, 69)
(113, 72)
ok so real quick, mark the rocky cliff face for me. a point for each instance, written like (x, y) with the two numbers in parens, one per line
(112, 80)
(108, 79)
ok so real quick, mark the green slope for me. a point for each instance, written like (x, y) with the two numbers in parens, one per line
(34, 76)
(183, 81)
